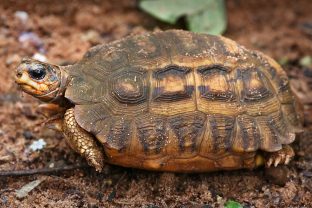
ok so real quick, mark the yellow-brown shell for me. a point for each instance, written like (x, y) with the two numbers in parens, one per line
(177, 100)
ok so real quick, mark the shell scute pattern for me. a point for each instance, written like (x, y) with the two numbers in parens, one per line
(129, 86)
(215, 84)
(172, 83)
(184, 94)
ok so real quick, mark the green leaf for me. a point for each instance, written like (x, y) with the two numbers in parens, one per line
(171, 10)
(212, 20)
(232, 204)
(206, 16)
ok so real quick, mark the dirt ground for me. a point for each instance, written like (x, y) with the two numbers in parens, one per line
(62, 32)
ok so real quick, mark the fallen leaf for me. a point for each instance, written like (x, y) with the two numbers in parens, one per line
(23, 192)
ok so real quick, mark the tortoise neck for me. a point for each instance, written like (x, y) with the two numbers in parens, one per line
(64, 81)
(59, 97)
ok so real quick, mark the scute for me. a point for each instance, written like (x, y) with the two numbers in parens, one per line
(172, 83)
(183, 95)
(129, 86)
(256, 87)
(152, 133)
(215, 84)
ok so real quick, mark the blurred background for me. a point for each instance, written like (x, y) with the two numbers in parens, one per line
(62, 31)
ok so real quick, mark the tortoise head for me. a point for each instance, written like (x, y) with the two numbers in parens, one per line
(41, 80)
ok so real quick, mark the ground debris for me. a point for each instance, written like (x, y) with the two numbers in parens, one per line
(23, 192)
(37, 145)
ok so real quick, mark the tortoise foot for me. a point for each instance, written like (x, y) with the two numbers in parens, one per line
(282, 156)
(82, 141)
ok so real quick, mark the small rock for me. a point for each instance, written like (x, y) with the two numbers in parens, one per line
(40, 57)
(277, 175)
(31, 39)
(37, 145)
(51, 165)
(305, 61)
(28, 135)
(22, 16)
(307, 173)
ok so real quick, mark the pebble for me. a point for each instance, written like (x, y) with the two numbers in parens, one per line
(28, 135)
(307, 173)
(277, 175)
(30, 38)
(40, 57)
(37, 145)
(22, 16)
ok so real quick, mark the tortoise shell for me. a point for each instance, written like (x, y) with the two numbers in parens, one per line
(180, 101)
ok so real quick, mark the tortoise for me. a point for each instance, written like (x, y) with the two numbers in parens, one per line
(170, 101)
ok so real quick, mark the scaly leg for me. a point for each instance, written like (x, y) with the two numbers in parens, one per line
(282, 156)
(82, 141)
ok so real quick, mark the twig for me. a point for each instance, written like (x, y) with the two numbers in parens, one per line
(41, 170)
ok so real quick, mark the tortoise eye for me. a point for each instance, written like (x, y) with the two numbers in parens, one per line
(38, 73)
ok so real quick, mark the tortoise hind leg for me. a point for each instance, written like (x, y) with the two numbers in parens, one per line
(82, 141)
(282, 156)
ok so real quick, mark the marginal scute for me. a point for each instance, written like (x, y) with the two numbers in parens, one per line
(222, 129)
(119, 135)
(188, 130)
(152, 133)
(91, 117)
(247, 138)
(292, 118)
(274, 131)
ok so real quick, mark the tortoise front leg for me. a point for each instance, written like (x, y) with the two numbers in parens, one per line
(82, 141)
(50, 109)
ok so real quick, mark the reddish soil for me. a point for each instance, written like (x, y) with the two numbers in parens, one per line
(281, 29)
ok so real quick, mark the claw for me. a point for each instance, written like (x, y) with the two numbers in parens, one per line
(282, 156)
(287, 160)
(270, 161)
(277, 161)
